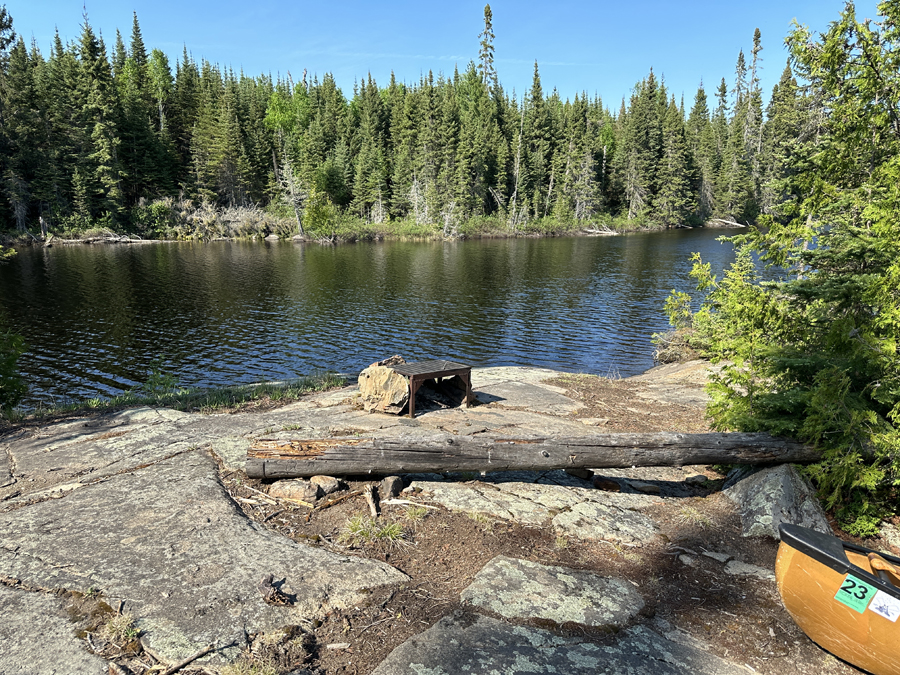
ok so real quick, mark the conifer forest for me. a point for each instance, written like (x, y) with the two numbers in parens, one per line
(121, 138)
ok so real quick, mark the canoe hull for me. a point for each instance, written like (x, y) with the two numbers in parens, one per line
(808, 588)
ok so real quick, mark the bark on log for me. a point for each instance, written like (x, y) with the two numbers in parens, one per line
(349, 457)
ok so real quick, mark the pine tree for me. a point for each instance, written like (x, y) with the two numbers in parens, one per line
(823, 364)
(537, 140)
(474, 150)
(229, 156)
(753, 123)
(786, 150)
(140, 153)
(371, 185)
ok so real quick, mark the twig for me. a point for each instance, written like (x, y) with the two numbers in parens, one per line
(193, 657)
(365, 628)
(263, 494)
(338, 500)
(273, 514)
(411, 503)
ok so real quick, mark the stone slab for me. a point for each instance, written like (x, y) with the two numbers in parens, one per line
(574, 511)
(466, 643)
(776, 495)
(593, 520)
(34, 630)
(527, 395)
(742, 569)
(484, 377)
(84, 449)
(5, 474)
(169, 541)
(521, 589)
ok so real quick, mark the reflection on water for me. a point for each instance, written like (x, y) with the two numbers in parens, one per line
(96, 317)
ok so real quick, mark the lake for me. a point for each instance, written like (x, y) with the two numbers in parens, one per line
(97, 317)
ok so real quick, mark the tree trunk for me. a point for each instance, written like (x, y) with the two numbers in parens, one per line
(345, 456)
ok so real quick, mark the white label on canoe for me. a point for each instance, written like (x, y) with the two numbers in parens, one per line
(885, 605)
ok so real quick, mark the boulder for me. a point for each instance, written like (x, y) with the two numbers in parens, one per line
(524, 590)
(390, 487)
(775, 495)
(646, 488)
(890, 534)
(606, 484)
(296, 490)
(327, 484)
(382, 389)
(466, 643)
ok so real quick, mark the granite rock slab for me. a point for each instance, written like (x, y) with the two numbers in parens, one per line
(168, 541)
(742, 569)
(527, 395)
(521, 589)
(776, 495)
(593, 520)
(468, 643)
(35, 631)
(574, 511)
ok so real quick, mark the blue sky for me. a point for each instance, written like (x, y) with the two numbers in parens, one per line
(600, 47)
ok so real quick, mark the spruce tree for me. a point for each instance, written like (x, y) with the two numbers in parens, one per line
(486, 52)
(674, 201)
(537, 140)
(98, 177)
(22, 126)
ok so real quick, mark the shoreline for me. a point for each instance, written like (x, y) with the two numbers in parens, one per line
(27, 239)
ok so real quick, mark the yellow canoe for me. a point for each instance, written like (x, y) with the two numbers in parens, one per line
(845, 597)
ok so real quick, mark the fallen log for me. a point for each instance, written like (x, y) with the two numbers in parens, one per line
(355, 456)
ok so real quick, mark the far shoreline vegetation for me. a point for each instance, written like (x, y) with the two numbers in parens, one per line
(119, 140)
(206, 224)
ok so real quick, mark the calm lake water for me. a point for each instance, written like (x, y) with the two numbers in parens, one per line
(96, 317)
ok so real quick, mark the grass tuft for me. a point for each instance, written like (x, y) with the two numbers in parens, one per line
(365, 530)
(688, 515)
(416, 513)
(121, 628)
(250, 666)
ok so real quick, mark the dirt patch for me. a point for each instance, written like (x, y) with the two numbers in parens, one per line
(627, 406)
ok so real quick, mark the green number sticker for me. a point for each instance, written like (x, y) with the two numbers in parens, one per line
(855, 593)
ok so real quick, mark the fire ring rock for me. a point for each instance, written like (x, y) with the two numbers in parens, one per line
(382, 389)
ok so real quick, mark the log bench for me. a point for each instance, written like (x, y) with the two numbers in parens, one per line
(271, 458)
